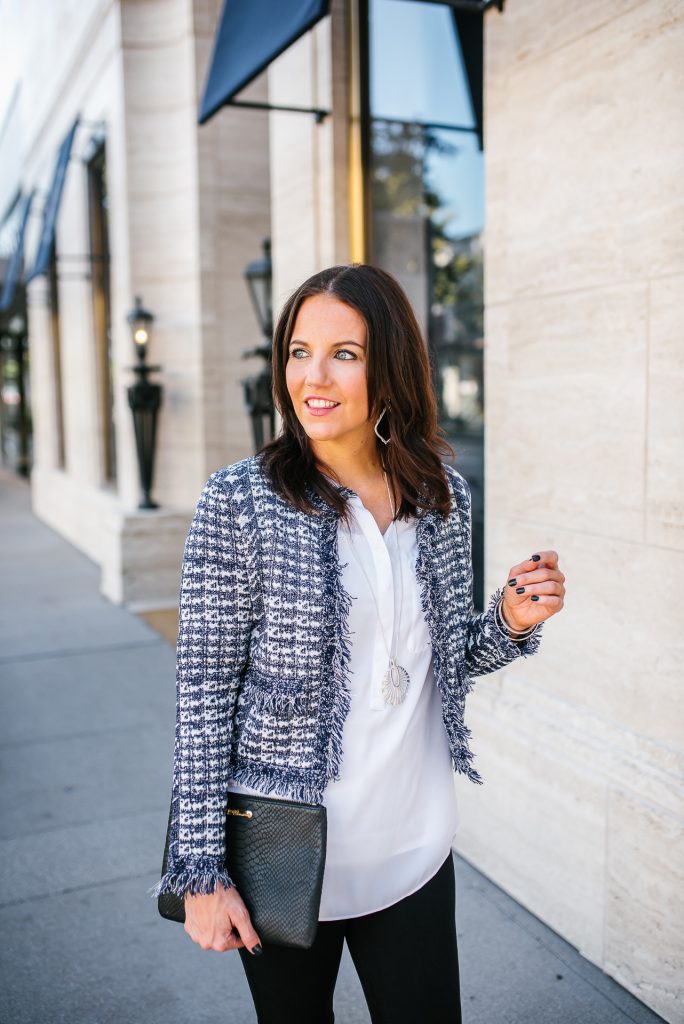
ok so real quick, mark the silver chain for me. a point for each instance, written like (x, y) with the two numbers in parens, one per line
(397, 618)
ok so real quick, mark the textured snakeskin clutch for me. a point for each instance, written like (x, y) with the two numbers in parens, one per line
(276, 857)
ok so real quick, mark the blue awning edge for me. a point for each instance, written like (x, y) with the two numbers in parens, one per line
(51, 209)
(17, 258)
(251, 34)
(470, 31)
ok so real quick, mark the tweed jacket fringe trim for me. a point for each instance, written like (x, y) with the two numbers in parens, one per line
(263, 652)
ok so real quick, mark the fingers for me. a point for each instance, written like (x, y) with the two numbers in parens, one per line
(552, 601)
(523, 581)
(538, 560)
(242, 924)
(535, 590)
(549, 588)
(232, 940)
(220, 921)
(219, 941)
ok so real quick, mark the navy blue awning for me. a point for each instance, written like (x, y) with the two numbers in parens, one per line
(51, 209)
(252, 33)
(17, 257)
(471, 34)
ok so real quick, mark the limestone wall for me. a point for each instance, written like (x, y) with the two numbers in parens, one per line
(188, 208)
(581, 816)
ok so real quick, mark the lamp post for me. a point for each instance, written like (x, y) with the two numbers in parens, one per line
(14, 344)
(257, 389)
(144, 399)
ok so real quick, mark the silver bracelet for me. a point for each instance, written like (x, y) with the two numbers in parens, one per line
(511, 629)
(507, 631)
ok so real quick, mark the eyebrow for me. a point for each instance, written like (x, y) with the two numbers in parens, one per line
(295, 341)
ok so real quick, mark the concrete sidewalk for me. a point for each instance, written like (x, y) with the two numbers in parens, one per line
(86, 742)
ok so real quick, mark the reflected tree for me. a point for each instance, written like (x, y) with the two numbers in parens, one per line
(406, 159)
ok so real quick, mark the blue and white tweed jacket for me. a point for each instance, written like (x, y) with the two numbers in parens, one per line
(263, 650)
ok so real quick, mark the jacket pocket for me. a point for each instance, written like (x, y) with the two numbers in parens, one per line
(273, 694)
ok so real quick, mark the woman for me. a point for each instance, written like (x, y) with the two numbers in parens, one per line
(327, 641)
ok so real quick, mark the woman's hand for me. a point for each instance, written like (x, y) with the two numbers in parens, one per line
(220, 920)
(535, 591)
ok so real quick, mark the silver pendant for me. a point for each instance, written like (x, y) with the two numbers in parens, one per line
(395, 683)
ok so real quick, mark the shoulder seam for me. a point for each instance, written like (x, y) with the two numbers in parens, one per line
(458, 480)
(240, 469)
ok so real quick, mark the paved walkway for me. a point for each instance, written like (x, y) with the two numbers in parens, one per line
(86, 741)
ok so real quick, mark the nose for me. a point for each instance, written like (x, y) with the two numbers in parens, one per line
(317, 371)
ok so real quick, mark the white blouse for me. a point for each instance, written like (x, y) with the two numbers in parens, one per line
(392, 814)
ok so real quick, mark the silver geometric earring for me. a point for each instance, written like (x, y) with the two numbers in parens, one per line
(378, 434)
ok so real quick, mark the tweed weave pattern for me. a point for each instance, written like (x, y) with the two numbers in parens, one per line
(263, 650)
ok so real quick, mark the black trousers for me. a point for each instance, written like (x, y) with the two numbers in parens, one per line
(406, 957)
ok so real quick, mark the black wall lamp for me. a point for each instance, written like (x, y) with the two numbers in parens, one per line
(144, 399)
(259, 277)
(14, 400)
(257, 390)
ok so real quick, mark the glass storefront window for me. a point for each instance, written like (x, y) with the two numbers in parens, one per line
(98, 205)
(427, 211)
(416, 64)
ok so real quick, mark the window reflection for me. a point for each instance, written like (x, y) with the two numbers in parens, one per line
(426, 199)
(416, 64)
(427, 212)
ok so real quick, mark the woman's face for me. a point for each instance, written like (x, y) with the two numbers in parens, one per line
(327, 360)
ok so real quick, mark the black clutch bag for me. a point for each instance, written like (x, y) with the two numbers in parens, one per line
(276, 856)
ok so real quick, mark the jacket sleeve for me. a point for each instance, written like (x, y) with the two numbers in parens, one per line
(486, 648)
(213, 644)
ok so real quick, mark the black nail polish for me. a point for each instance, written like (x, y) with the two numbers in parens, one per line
(535, 558)
(512, 583)
(520, 590)
(257, 950)
(535, 597)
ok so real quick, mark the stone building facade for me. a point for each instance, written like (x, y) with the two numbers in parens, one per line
(581, 816)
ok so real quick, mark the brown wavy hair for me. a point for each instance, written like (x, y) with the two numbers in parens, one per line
(398, 369)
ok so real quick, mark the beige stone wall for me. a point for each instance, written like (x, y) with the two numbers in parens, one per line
(581, 816)
(69, 66)
(234, 217)
(189, 207)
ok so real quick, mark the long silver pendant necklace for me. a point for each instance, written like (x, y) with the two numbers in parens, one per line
(395, 682)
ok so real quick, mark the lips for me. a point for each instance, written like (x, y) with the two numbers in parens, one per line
(319, 410)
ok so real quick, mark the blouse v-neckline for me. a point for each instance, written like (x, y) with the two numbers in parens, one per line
(353, 494)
